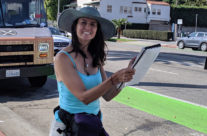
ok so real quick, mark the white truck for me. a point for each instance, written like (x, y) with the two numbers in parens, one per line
(26, 44)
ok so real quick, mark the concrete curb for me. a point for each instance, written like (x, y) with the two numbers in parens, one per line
(12, 124)
(169, 46)
(1, 134)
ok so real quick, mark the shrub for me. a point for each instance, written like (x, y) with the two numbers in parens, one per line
(148, 34)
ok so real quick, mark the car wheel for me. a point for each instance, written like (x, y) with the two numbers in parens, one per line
(181, 45)
(203, 47)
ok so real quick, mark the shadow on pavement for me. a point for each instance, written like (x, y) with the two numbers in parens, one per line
(166, 58)
(172, 85)
(19, 89)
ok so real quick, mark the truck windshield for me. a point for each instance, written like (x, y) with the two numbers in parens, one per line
(1, 21)
(22, 13)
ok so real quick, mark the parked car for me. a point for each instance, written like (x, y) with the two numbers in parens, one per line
(60, 41)
(195, 40)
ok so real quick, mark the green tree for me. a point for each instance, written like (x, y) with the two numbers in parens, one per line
(118, 23)
(52, 7)
(187, 2)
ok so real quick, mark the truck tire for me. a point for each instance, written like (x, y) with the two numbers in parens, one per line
(37, 81)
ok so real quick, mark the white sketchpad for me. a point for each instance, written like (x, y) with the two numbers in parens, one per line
(142, 63)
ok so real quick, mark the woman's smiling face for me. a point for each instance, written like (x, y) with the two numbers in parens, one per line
(86, 29)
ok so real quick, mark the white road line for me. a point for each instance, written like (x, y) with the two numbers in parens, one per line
(182, 63)
(163, 71)
(1, 121)
(162, 60)
(125, 54)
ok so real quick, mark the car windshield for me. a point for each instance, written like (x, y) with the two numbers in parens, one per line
(54, 31)
(1, 20)
(192, 34)
(22, 13)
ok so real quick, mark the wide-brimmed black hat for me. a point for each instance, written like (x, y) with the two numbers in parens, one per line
(68, 16)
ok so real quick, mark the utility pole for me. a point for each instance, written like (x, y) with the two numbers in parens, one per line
(58, 11)
(196, 22)
(58, 7)
(205, 66)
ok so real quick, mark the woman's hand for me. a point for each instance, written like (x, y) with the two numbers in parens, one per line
(123, 75)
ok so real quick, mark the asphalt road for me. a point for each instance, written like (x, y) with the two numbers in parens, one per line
(175, 73)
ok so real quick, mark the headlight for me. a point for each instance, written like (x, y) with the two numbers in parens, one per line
(43, 47)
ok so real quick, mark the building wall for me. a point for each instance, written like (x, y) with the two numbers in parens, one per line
(135, 11)
(81, 3)
(164, 14)
(124, 9)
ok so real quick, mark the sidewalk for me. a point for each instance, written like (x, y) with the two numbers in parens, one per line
(169, 44)
(12, 124)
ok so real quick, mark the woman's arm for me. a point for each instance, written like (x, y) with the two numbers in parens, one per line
(114, 90)
(69, 76)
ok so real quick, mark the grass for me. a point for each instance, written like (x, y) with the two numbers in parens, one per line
(120, 40)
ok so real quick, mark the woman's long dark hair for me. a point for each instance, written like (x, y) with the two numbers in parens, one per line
(96, 47)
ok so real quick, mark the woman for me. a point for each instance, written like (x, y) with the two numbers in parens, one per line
(80, 75)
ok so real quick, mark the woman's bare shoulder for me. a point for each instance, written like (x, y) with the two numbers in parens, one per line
(68, 48)
(61, 55)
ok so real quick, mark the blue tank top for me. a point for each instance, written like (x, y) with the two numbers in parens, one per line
(69, 102)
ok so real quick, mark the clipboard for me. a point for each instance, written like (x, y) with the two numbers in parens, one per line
(142, 63)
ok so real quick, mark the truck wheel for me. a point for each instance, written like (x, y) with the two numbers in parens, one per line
(37, 81)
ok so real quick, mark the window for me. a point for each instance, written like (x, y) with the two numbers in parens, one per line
(129, 10)
(121, 9)
(192, 34)
(137, 9)
(153, 11)
(24, 12)
(145, 10)
(109, 8)
(125, 9)
(140, 9)
(1, 21)
(200, 35)
(159, 12)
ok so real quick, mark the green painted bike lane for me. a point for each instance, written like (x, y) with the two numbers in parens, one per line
(185, 113)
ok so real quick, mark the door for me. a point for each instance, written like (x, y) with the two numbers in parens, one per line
(191, 40)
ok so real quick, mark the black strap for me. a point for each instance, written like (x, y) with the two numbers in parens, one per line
(67, 118)
(56, 108)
